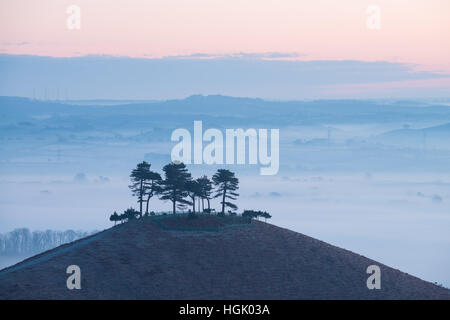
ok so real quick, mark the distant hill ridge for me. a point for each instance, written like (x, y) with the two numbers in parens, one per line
(142, 260)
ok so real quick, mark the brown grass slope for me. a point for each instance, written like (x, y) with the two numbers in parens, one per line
(141, 260)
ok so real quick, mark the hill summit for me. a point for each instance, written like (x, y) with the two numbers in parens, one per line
(206, 258)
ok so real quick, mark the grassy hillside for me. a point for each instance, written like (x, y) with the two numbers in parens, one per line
(213, 258)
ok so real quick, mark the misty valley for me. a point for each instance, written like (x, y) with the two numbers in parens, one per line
(370, 176)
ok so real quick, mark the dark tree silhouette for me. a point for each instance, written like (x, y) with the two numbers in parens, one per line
(205, 186)
(173, 187)
(114, 218)
(226, 184)
(138, 177)
(266, 216)
(130, 214)
(193, 189)
(152, 186)
(252, 214)
(179, 185)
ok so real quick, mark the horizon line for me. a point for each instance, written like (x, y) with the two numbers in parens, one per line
(224, 96)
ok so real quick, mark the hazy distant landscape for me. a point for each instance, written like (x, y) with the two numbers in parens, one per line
(20, 244)
(371, 176)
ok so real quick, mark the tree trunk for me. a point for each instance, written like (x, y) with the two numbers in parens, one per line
(209, 207)
(174, 201)
(141, 198)
(223, 201)
(193, 204)
(146, 208)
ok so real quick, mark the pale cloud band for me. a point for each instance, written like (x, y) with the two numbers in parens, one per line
(106, 77)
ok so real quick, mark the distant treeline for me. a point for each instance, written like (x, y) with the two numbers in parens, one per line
(22, 241)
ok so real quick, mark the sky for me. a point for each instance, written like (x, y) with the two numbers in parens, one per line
(410, 33)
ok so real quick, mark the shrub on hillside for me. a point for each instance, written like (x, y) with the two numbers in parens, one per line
(254, 214)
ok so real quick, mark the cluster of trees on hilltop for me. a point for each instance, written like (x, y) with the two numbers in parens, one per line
(179, 187)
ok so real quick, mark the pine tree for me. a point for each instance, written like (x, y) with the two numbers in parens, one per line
(266, 215)
(130, 214)
(138, 177)
(173, 187)
(152, 186)
(144, 184)
(114, 218)
(193, 189)
(226, 184)
(205, 186)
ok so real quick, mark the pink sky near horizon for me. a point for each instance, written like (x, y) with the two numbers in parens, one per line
(412, 31)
